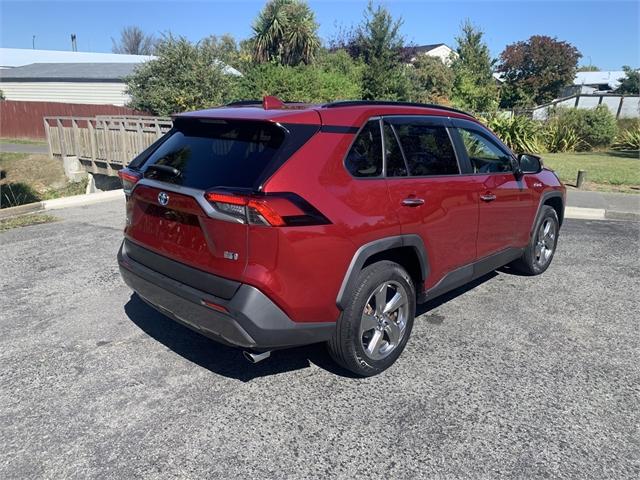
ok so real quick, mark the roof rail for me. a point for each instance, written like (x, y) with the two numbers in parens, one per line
(356, 103)
(240, 103)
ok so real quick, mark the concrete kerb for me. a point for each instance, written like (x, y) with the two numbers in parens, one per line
(65, 202)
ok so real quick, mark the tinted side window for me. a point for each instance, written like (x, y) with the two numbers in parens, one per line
(427, 149)
(485, 156)
(393, 155)
(365, 156)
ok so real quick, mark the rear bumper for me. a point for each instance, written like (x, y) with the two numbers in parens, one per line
(253, 321)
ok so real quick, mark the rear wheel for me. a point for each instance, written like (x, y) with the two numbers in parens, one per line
(542, 246)
(374, 329)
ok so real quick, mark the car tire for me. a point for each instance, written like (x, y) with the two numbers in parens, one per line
(542, 246)
(375, 326)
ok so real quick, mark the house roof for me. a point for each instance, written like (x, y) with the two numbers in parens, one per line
(68, 72)
(427, 48)
(18, 57)
(611, 78)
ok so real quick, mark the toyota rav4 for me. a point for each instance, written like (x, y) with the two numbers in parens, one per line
(266, 225)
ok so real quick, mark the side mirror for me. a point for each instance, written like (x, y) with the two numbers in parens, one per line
(529, 163)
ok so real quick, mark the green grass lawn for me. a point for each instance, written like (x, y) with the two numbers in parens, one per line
(605, 170)
(22, 141)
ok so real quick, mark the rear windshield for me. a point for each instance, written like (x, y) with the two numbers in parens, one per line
(216, 153)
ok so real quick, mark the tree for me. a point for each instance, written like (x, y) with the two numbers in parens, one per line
(334, 76)
(224, 49)
(431, 80)
(630, 83)
(286, 32)
(588, 68)
(474, 87)
(133, 41)
(379, 44)
(184, 76)
(534, 71)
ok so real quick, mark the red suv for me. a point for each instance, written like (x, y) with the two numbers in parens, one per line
(269, 225)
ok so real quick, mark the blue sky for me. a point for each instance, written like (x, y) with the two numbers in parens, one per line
(605, 32)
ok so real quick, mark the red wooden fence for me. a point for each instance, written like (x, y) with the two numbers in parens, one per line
(24, 119)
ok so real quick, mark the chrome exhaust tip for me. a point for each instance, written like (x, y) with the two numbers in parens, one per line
(254, 357)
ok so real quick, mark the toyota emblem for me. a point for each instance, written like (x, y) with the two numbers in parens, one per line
(163, 198)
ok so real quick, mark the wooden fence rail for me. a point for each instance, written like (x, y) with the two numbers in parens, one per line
(103, 144)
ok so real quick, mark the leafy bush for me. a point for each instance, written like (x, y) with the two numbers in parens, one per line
(558, 137)
(431, 81)
(628, 140)
(335, 76)
(596, 128)
(184, 76)
(520, 134)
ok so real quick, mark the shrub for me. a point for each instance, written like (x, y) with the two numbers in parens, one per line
(335, 76)
(184, 76)
(596, 128)
(628, 139)
(559, 137)
(520, 134)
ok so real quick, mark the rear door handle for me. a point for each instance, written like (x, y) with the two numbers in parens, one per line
(487, 197)
(412, 202)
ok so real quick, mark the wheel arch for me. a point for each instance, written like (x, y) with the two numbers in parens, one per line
(406, 250)
(553, 199)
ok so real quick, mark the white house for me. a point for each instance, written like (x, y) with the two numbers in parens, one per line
(69, 77)
(438, 50)
(87, 83)
(19, 57)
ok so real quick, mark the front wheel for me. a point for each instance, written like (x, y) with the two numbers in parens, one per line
(374, 329)
(542, 246)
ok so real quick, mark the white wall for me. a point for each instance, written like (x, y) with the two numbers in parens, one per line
(67, 92)
(443, 53)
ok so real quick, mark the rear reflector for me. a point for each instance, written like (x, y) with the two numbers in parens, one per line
(129, 179)
(215, 306)
(276, 210)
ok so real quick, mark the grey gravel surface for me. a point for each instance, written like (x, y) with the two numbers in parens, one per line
(513, 377)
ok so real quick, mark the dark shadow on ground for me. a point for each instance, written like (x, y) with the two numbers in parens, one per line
(635, 154)
(426, 307)
(221, 359)
(230, 362)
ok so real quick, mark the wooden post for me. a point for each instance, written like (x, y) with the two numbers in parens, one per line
(123, 140)
(582, 176)
(48, 134)
(63, 149)
(92, 139)
(76, 142)
(619, 107)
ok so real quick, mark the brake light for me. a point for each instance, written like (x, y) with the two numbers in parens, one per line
(129, 179)
(276, 210)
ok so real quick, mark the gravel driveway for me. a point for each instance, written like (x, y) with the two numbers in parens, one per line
(512, 377)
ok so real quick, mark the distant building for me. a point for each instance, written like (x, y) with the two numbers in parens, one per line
(19, 57)
(69, 77)
(87, 83)
(438, 50)
(593, 82)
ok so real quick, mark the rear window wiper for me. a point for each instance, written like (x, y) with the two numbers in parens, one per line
(174, 172)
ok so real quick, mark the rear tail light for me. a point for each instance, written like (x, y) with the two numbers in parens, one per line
(274, 209)
(129, 179)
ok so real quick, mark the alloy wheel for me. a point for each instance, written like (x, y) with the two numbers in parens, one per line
(545, 242)
(384, 320)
